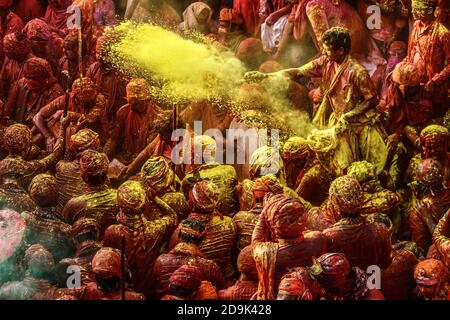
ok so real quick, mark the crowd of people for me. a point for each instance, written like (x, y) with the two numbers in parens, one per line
(93, 205)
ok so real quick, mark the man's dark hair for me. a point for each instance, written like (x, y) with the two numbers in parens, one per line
(195, 225)
(337, 38)
(180, 291)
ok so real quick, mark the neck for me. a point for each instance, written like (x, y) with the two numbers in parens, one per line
(342, 60)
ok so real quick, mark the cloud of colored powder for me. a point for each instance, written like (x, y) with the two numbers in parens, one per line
(180, 69)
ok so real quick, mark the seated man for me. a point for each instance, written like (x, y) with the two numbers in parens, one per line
(363, 243)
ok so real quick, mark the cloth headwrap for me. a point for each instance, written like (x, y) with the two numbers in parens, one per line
(138, 89)
(362, 171)
(94, 163)
(406, 73)
(85, 225)
(430, 173)
(204, 196)
(107, 263)
(131, 196)
(187, 277)
(39, 259)
(190, 15)
(6, 4)
(85, 86)
(292, 285)
(44, 190)
(71, 40)
(206, 145)
(295, 147)
(157, 174)
(270, 66)
(434, 133)
(335, 269)
(348, 194)
(83, 140)
(37, 29)
(285, 215)
(249, 50)
(268, 183)
(206, 291)
(16, 44)
(37, 68)
(429, 272)
(17, 138)
(265, 160)
(231, 15)
(246, 263)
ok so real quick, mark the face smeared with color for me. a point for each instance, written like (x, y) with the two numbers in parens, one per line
(39, 47)
(435, 150)
(427, 291)
(333, 55)
(422, 12)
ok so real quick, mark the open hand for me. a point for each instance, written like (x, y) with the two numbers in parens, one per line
(255, 76)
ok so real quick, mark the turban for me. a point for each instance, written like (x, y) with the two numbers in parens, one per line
(193, 12)
(362, 171)
(430, 173)
(157, 174)
(186, 277)
(37, 29)
(286, 215)
(85, 87)
(87, 8)
(71, 40)
(270, 66)
(294, 147)
(268, 183)
(192, 227)
(107, 263)
(83, 140)
(176, 201)
(138, 89)
(85, 225)
(6, 4)
(265, 160)
(17, 138)
(207, 146)
(15, 44)
(335, 269)
(246, 264)
(406, 73)
(131, 196)
(249, 50)
(434, 133)
(37, 68)
(347, 193)
(292, 285)
(429, 272)
(206, 291)
(38, 259)
(44, 190)
(204, 196)
(94, 163)
(231, 15)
